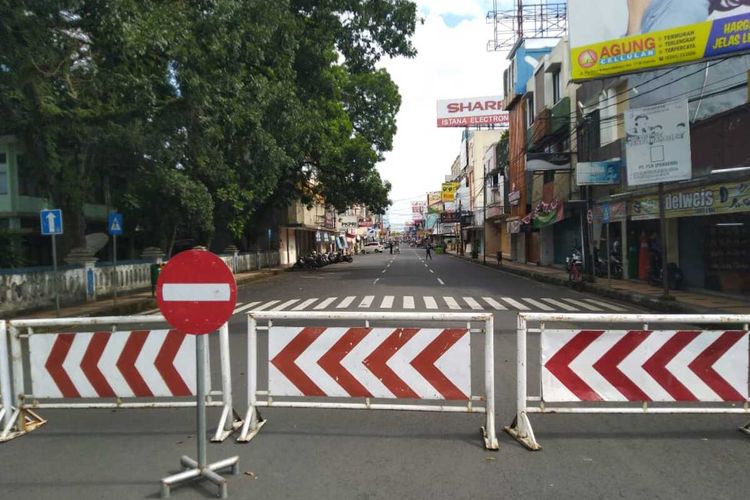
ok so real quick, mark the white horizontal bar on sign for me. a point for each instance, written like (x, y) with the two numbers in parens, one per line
(372, 406)
(635, 318)
(570, 409)
(195, 292)
(414, 316)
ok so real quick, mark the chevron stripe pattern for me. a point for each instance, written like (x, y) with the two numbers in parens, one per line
(410, 363)
(143, 363)
(661, 366)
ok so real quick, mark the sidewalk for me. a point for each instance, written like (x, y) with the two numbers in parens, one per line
(635, 292)
(131, 302)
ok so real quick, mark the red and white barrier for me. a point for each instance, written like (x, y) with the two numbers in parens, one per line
(370, 363)
(149, 368)
(666, 371)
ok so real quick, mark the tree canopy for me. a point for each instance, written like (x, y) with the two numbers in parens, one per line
(195, 115)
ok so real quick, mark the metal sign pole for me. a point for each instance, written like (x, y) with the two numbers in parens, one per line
(663, 229)
(201, 469)
(54, 273)
(609, 259)
(114, 259)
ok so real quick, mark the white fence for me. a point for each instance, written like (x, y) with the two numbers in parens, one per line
(104, 369)
(34, 288)
(587, 368)
(405, 368)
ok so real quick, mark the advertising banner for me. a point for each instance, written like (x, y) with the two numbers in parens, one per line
(434, 202)
(418, 209)
(598, 173)
(613, 37)
(448, 193)
(450, 218)
(612, 212)
(725, 198)
(536, 162)
(471, 111)
(657, 144)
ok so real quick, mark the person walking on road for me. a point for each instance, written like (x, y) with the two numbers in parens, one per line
(428, 248)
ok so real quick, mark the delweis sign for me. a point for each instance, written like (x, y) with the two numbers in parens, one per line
(471, 112)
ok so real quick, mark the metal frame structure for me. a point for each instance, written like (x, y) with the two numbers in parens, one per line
(527, 20)
(521, 430)
(24, 419)
(253, 421)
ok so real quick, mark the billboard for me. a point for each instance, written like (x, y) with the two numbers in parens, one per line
(537, 162)
(418, 209)
(598, 173)
(471, 112)
(657, 144)
(434, 202)
(449, 191)
(726, 198)
(612, 37)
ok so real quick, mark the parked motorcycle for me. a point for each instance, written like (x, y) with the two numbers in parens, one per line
(675, 276)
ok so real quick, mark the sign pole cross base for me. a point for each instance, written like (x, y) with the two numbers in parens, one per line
(194, 471)
(746, 429)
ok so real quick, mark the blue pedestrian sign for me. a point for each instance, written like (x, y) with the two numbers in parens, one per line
(52, 221)
(114, 224)
(605, 213)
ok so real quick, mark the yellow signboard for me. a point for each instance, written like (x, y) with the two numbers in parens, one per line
(449, 191)
(612, 37)
(727, 198)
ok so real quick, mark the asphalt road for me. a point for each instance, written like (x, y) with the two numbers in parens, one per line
(316, 453)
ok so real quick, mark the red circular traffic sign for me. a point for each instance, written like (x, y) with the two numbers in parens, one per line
(196, 292)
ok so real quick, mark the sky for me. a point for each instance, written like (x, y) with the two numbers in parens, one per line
(452, 61)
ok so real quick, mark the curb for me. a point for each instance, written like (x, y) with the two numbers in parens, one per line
(638, 299)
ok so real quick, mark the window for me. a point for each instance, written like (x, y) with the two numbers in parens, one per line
(530, 110)
(3, 174)
(556, 90)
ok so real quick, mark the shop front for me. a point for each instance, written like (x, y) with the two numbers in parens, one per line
(708, 229)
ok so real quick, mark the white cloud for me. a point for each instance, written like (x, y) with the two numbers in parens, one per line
(452, 62)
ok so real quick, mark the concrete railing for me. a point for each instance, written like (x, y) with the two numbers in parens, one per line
(29, 289)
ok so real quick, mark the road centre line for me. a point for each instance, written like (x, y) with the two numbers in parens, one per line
(441, 281)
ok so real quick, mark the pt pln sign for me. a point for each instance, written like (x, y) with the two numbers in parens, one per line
(196, 292)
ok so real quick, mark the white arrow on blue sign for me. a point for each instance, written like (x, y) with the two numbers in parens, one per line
(52, 221)
(114, 223)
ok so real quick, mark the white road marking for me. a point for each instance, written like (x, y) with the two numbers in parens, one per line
(267, 305)
(441, 281)
(376, 281)
(367, 301)
(540, 305)
(583, 304)
(472, 303)
(325, 303)
(495, 304)
(565, 306)
(346, 302)
(246, 306)
(606, 305)
(304, 305)
(433, 272)
(408, 302)
(387, 302)
(451, 302)
(515, 304)
(286, 304)
(430, 303)
(195, 292)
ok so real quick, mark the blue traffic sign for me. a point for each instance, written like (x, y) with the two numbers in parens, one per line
(114, 224)
(52, 221)
(605, 213)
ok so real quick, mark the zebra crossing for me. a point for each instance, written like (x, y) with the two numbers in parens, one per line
(433, 303)
(428, 303)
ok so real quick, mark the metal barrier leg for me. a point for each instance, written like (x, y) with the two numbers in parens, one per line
(253, 421)
(488, 431)
(230, 421)
(521, 429)
(746, 429)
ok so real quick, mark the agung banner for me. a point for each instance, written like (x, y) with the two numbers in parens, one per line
(612, 37)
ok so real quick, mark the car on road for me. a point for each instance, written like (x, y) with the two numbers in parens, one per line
(373, 247)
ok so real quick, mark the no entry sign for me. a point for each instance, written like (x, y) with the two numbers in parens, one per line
(196, 292)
